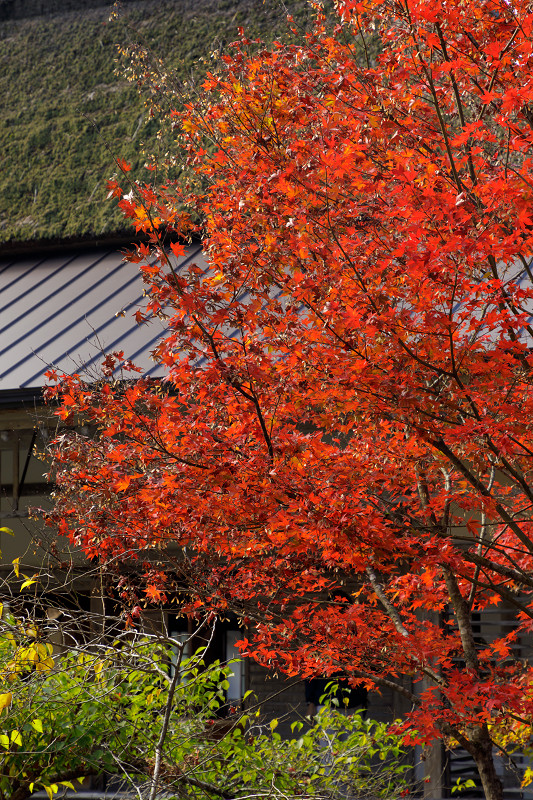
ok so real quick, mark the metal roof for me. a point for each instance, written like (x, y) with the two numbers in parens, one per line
(64, 311)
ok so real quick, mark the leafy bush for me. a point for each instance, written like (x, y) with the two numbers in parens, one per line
(124, 711)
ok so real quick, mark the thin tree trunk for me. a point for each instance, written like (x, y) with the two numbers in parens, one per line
(480, 743)
(484, 758)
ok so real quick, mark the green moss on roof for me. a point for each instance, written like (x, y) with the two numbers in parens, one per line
(66, 114)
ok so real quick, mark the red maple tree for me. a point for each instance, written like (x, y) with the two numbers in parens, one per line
(349, 383)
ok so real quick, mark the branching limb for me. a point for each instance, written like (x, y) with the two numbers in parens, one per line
(397, 622)
(166, 720)
(443, 448)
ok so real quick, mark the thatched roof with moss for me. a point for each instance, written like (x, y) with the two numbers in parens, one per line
(67, 113)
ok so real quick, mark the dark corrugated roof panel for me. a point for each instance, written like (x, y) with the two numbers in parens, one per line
(65, 311)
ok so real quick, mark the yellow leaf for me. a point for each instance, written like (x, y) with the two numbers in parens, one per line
(48, 790)
(45, 665)
(27, 582)
(29, 654)
(16, 737)
(15, 563)
(12, 669)
(7, 530)
(5, 700)
(68, 784)
(4, 741)
(38, 726)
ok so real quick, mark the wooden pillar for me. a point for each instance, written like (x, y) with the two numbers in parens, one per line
(16, 472)
(435, 771)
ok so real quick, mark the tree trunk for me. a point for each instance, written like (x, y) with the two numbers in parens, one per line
(483, 756)
(478, 737)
